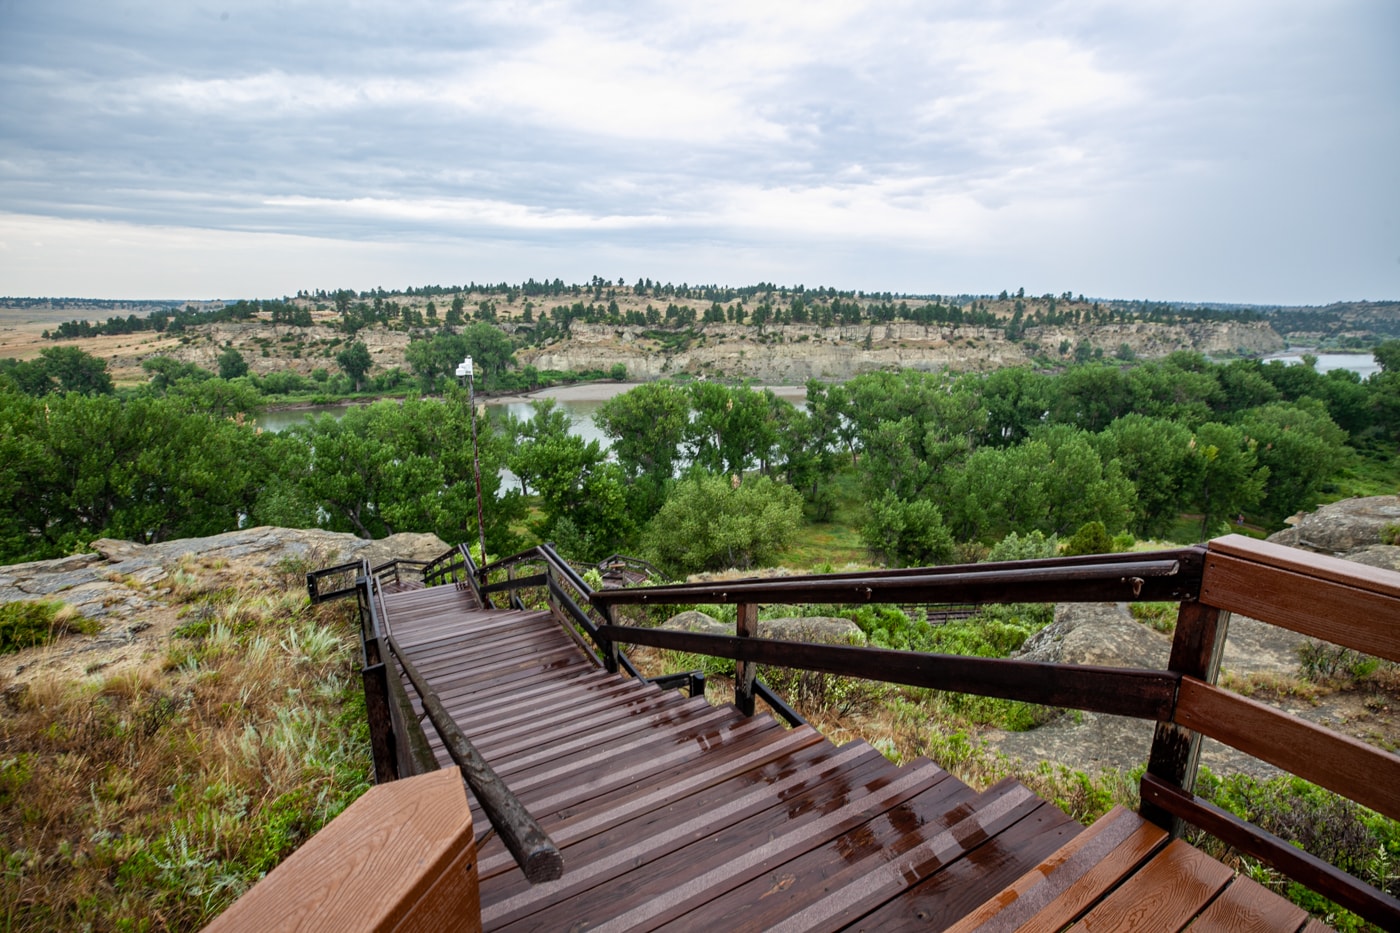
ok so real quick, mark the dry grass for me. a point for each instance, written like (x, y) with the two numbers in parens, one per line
(149, 799)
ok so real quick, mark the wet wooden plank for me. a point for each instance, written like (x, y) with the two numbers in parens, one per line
(1248, 907)
(629, 851)
(752, 759)
(667, 888)
(1164, 895)
(1015, 906)
(964, 885)
(808, 892)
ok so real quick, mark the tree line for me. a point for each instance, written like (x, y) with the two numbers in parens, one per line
(698, 474)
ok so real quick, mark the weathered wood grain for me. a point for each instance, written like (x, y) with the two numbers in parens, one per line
(399, 858)
(1338, 762)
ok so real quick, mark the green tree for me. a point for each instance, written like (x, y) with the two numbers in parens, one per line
(1300, 446)
(59, 369)
(1091, 538)
(708, 523)
(232, 364)
(907, 533)
(355, 361)
(1156, 456)
(1226, 477)
(646, 426)
(166, 371)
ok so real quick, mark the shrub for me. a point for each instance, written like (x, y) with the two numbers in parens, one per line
(24, 624)
(1091, 538)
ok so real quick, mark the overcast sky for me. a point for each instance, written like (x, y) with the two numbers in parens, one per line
(1187, 150)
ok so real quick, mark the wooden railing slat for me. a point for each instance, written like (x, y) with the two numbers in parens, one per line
(1119, 691)
(1338, 762)
(401, 857)
(1321, 566)
(1335, 611)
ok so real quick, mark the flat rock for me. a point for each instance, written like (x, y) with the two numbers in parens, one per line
(1340, 527)
(821, 630)
(1101, 634)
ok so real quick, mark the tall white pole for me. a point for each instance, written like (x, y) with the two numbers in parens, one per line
(466, 367)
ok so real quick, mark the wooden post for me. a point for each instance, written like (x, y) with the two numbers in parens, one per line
(381, 724)
(746, 619)
(401, 858)
(1197, 647)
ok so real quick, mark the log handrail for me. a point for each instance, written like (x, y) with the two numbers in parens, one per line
(533, 850)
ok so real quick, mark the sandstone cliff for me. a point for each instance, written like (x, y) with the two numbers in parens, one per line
(792, 354)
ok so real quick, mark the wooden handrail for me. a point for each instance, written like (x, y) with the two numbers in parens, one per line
(1119, 691)
(1352, 608)
(1361, 772)
(1173, 575)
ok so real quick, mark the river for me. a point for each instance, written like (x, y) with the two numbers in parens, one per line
(579, 402)
(1363, 364)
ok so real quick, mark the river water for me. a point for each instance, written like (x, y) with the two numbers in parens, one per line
(1363, 364)
(579, 402)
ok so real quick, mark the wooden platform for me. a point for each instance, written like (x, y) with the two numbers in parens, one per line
(673, 814)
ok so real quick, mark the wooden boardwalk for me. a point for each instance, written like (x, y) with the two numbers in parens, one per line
(673, 814)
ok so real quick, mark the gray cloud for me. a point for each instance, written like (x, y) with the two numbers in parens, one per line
(1190, 150)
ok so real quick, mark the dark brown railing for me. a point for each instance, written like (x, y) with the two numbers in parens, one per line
(535, 853)
(1338, 601)
(1342, 602)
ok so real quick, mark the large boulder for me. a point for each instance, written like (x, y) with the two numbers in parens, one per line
(821, 630)
(1101, 634)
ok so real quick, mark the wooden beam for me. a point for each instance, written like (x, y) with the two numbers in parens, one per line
(1197, 646)
(381, 724)
(1355, 770)
(1171, 576)
(534, 851)
(1355, 895)
(1321, 566)
(746, 623)
(1119, 691)
(1359, 617)
(400, 858)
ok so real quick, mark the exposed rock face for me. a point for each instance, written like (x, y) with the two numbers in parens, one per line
(1343, 527)
(821, 630)
(794, 353)
(128, 587)
(1103, 634)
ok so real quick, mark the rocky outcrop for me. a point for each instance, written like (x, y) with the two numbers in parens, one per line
(136, 591)
(820, 630)
(792, 354)
(1103, 634)
(112, 582)
(1344, 528)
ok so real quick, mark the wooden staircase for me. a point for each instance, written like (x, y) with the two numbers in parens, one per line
(674, 814)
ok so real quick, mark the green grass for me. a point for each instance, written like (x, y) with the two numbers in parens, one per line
(149, 799)
(25, 624)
